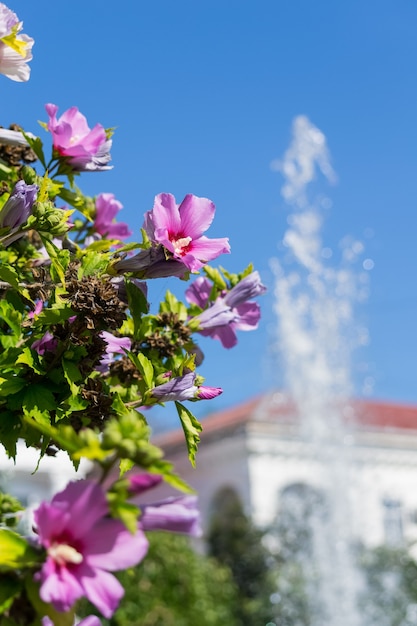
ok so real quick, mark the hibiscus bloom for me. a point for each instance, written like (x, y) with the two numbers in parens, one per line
(86, 149)
(177, 514)
(82, 546)
(230, 312)
(107, 207)
(16, 211)
(47, 343)
(180, 228)
(19, 206)
(184, 388)
(115, 345)
(15, 49)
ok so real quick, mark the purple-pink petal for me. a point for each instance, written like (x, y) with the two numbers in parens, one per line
(203, 250)
(71, 137)
(208, 393)
(110, 546)
(102, 589)
(196, 215)
(218, 314)
(249, 287)
(86, 502)
(249, 316)
(179, 515)
(225, 334)
(107, 207)
(47, 343)
(165, 214)
(60, 587)
(90, 620)
(50, 521)
(199, 292)
(179, 388)
(140, 482)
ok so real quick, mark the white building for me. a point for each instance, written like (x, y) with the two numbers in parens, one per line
(32, 479)
(260, 449)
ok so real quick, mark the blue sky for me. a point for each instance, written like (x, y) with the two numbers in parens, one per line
(203, 95)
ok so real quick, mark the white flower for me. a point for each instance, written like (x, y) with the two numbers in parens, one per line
(15, 49)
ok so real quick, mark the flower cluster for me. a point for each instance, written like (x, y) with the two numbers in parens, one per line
(84, 354)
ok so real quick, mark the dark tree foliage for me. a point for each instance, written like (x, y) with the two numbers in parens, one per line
(235, 542)
(174, 586)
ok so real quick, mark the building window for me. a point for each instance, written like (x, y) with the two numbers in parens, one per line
(393, 521)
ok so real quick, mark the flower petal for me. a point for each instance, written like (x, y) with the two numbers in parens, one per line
(178, 515)
(196, 215)
(203, 250)
(165, 214)
(226, 334)
(111, 546)
(141, 481)
(199, 292)
(50, 521)
(59, 586)
(249, 316)
(102, 589)
(87, 503)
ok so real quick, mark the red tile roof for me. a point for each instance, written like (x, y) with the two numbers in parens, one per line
(276, 407)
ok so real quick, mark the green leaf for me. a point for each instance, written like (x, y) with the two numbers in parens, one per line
(37, 403)
(76, 199)
(93, 263)
(9, 386)
(10, 586)
(15, 551)
(145, 367)
(10, 428)
(31, 359)
(192, 429)
(72, 375)
(138, 304)
(12, 317)
(40, 397)
(9, 275)
(54, 255)
(215, 276)
(127, 513)
(55, 315)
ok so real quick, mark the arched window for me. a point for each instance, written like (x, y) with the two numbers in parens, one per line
(301, 511)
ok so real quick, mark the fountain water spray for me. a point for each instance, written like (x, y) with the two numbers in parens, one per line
(314, 307)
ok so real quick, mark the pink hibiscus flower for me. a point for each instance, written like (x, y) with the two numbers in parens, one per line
(231, 310)
(180, 228)
(87, 149)
(82, 546)
(107, 207)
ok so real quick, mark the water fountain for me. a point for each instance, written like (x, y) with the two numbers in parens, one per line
(314, 306)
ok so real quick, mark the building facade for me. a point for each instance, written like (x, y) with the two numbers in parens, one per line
(366, 469)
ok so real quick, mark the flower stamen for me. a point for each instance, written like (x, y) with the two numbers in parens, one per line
(62, 554)
(180, 245)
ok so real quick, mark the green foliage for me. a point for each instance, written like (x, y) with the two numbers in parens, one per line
(389, 596)
(174, 586)
(192, 429)
(236, 543)
(15, 551)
